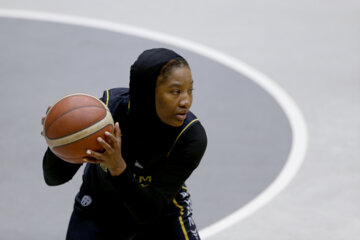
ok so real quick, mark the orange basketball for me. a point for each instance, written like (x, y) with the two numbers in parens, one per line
(73, 124)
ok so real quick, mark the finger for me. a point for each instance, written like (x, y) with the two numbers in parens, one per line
(117, 130)
(49, 107)
(96, 155)
(110, 138)
(104, 144)
(44, 117)
(42, 123)
(93, 155)
(91, 160)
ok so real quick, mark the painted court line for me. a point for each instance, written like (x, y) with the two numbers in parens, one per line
(297, 123)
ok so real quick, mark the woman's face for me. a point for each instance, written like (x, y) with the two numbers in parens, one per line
(173, 96)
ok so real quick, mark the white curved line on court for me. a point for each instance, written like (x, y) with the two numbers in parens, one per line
(298, 126)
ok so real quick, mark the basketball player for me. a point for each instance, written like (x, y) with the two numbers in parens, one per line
(136, 188)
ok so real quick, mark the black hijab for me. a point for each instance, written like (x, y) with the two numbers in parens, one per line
(149, 136)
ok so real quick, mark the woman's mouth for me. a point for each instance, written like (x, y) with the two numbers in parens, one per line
(181, 116)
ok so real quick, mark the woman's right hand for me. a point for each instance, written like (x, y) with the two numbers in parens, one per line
(43, 119)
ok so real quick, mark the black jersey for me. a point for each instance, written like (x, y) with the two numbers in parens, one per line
(151, 186)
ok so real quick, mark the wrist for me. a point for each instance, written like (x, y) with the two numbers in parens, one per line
(117, 171)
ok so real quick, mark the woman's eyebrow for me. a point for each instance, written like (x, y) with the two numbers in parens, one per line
(175, 84)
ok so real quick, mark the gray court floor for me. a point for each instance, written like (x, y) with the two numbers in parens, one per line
(311, 49)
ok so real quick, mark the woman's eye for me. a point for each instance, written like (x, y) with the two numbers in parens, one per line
(177, 91)
(191, 90)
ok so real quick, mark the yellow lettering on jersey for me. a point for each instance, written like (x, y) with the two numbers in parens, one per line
(144, 181)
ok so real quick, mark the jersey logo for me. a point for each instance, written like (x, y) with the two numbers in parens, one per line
(144, 181)
(86, 200)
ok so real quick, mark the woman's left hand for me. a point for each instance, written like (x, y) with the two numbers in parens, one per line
(111, 158)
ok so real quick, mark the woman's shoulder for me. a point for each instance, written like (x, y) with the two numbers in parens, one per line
(115, 96)
(190, 145)
(116, 99)
(191, 124)
(192, 134)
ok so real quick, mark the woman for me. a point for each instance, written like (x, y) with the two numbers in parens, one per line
(136, 188)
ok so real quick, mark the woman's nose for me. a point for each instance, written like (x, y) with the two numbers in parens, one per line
(185, 101)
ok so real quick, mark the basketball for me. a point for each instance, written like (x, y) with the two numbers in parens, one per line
(73, 124)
